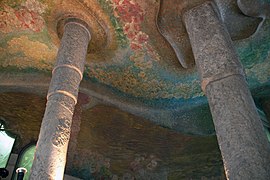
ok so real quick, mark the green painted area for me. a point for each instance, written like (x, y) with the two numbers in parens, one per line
(26, 161)
(254, 55)
(121, 37)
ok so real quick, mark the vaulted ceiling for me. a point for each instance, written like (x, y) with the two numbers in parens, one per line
(139, 65)
(139, 57)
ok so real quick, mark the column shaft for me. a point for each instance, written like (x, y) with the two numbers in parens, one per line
(75, 129)
(51, 150)
(243, 144)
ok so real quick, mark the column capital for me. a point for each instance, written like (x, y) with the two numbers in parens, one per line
(72, 20)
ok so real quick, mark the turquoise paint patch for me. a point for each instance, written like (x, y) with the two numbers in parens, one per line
(255, 57)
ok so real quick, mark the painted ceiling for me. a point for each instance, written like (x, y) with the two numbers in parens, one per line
(139, 59)
(139, 67)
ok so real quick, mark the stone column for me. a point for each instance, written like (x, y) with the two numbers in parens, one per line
(50, 156)
(74, 133)
(243, 144)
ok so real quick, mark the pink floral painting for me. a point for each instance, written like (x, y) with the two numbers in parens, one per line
(26, 16)
(131, 16)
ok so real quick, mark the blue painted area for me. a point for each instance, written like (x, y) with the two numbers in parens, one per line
(254, 55)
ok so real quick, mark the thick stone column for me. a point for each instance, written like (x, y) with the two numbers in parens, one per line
(50, 156)
(243, 144)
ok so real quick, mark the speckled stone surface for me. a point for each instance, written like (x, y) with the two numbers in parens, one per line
(238, 25)
(245, 149)
(75, 129)
(255, 8)
(214, 53)
(243, 144)
(50, 156)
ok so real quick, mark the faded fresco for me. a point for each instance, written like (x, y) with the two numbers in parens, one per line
(144, 65)
(107, 143)
(132, 63)
(144, 107)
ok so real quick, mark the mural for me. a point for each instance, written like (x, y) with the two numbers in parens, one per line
(142, 74)
(26, 16)
(139, 67)
(23, 33)
(131, 17)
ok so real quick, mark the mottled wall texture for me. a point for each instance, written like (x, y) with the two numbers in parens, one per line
(112, 143)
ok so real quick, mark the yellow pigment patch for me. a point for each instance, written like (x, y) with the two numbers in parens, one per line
(37, 54)
(146, 87)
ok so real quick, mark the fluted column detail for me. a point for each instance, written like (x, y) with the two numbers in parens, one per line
(243, 144)
(51, 150)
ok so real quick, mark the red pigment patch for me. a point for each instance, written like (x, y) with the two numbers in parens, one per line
(131, 15)
(20, 19)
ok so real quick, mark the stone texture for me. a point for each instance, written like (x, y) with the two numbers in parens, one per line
(75, 129)
(50, 156)
(213, 50)
(173, 30)
(244, 147)
(238, 25)
(255, 8)
(243, 144)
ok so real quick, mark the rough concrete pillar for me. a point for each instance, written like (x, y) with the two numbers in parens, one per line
(50, 156)
(243, 144)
